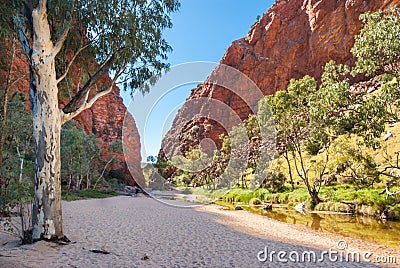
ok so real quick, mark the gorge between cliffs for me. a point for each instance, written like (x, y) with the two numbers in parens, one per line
(285, 153)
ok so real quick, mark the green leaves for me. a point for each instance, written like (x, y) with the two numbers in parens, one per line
(326, 105)
(134, 25)
(10, 18)
(310, 118)
(17, 136)
(354, 163)
(130, 30)
(79, 151)
(291, 111)
(378, 44)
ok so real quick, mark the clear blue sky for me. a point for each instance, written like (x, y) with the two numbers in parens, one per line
(202, 31)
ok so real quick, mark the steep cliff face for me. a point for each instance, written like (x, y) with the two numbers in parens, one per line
(293, 39)
(105, 118)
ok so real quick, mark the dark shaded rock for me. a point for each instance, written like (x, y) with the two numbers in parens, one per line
(267, 207)
(145, 257)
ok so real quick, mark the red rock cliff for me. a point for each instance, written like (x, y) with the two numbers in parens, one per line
(294, 38)
(106, 119)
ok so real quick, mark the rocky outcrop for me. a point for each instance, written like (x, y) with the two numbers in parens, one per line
(105, 118)
(293, 39)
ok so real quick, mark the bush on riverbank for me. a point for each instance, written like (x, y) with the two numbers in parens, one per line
(86, 194)
(255, 201)
(343, 198)
(334, 207)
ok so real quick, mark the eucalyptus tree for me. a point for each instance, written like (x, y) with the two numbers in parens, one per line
(283, 146)
(294, 126)
(9, 52)
(80, 154)
(365, 108)
(122, 38)
(377, 45)
(377, 50)
(17, 166)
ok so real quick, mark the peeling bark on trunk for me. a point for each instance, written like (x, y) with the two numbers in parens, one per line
(47, 121)
(47, 213)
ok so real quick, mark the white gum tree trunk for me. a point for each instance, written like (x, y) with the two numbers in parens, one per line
(47, 117)
(47, 122)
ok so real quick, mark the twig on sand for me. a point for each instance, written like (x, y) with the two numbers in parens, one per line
(100, 251)
(7, 256)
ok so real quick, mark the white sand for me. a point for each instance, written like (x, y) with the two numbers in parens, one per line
(208, 236)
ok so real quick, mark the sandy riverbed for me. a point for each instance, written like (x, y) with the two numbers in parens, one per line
(142, 232)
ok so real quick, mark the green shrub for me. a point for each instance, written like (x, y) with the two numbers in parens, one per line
(183, 180)
(316, 142)
(273, 182)
(255, 201)
(238, 195)
(396, 211)
(84, 194)
(14, 201)
(262, 194)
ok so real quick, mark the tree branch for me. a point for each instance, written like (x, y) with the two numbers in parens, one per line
(40, 10)
(8, 82)
(42, 4)
(67, 117)
(388, 185)
(73, 105)
(102, 173)
(71, 62)
(18, 79)
(87, 105)
(60, 42)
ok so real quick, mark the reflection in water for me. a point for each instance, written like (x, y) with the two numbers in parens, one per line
(386, 233)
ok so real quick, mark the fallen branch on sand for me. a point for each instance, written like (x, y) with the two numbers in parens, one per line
(100, 251)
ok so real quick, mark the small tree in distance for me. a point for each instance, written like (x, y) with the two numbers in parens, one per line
(80, 155)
